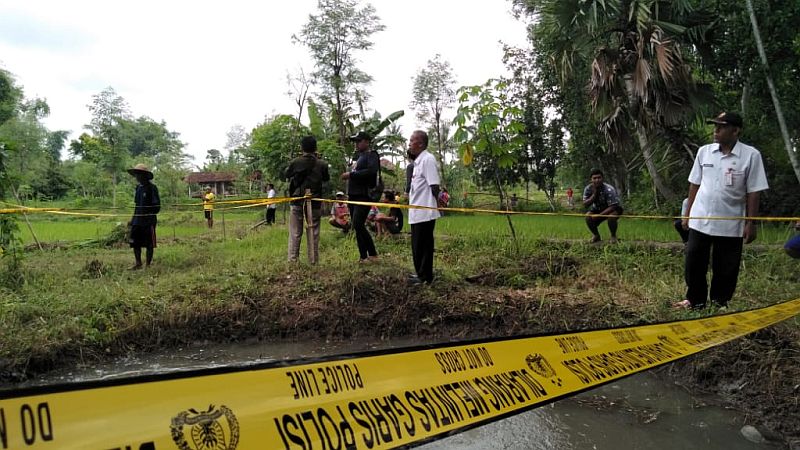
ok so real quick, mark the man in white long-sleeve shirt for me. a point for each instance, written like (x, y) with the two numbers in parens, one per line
(424, 192)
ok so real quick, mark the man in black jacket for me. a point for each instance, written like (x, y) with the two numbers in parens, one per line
(360, 180)
(306, 172)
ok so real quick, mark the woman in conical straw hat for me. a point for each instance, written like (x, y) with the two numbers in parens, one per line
(144, 220)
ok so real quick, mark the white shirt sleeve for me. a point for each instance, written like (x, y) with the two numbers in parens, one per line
(757, 178)
(431, 173)
(696, 175)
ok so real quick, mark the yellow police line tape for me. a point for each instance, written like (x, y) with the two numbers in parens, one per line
(372, 400)
(258, 202)
(557, 214)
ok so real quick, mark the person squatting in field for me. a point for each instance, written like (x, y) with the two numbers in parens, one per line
(602, 200)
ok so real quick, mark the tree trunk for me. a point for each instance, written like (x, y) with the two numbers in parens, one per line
(340, 118)
(745, 96)
(439, 149)
(775, 102)
(644, 144)
(114, 190)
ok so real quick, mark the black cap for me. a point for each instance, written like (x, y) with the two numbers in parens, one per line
(361, 135)
(727, 118)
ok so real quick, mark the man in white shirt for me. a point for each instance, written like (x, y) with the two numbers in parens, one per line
(424, 192)
(271, 208)
(726, 180)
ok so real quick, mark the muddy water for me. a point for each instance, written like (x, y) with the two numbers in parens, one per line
(639, 412)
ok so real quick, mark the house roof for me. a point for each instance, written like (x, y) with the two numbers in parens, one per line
(210, 177)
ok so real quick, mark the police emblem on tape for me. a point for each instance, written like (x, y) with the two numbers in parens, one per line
(213, 429)
(540, 366)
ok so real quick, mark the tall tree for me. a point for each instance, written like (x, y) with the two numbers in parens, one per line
(10, 95)
(795, 161)
(334, 36)
(144, 137)
(214, 158)
(237, 141)
(56, 141)
(299, 83)
(433, 94)
(109, 110)
(25, 137)
(542, 136)
(640, 82)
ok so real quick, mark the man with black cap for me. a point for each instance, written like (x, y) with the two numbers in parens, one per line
(725, 181)
(144, 220)
(360, 180)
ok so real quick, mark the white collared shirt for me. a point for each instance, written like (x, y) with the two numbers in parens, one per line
(724, 181)
(426, 174)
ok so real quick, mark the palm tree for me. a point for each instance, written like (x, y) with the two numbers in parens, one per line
(640, 83)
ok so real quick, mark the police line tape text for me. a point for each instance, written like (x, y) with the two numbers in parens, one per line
(35, 423)
(451, 361)
(392, 418)
(596, 368)
(330, 379)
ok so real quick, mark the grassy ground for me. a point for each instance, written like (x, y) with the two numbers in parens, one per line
(182, 224)
(78, 304)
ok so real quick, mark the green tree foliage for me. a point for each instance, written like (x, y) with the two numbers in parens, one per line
(109, 112)
(10, 96)
(274, 144)
(489, 132)
(334, 36)
(732, 65)
(144, 137)
(116, 139)
(433, 94)
(542, 136)
(236, 144)
(56, 141)
(640, 82)
(25, 140)
(87, 179)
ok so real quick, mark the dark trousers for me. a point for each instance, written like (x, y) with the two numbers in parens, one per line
(270, 216)
(422, 249)
(594, 222)
(679, 228)
(725, 254)
(359, 214)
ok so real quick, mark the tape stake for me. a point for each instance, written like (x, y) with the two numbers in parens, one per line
(375, 400)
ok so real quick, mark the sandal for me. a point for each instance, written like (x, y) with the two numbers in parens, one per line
(686, 304)
(683, 304)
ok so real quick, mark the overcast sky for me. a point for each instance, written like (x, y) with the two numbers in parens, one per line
(205, 66)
